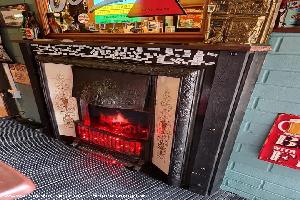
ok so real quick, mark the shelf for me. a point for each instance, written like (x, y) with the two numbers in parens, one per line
(199, 45)
(287, 30)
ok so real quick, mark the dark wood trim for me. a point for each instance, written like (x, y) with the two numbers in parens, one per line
(287, 30)
(179, 37)
(42, 9)
(253, 68)
(34, 75)
(199, 46)
(224, 93)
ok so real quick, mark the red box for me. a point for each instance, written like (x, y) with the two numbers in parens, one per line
(282, 146)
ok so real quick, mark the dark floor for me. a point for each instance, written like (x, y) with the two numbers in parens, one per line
(62, 172)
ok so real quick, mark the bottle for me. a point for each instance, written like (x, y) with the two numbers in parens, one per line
(28, 32)
(34, 26)
(54, 26)
(24, 24)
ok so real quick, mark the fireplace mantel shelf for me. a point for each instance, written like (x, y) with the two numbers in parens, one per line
(129, 67)
(201, 46)
(151, 59)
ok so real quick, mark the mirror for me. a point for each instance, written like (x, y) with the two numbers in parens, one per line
(116, 17)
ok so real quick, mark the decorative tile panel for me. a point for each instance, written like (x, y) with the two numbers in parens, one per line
(165, 110)
(164, 56)
(60, 84)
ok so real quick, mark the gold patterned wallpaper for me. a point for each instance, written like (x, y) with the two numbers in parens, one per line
(240, 21)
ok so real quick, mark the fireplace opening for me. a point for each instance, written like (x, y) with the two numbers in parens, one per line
(116, 112)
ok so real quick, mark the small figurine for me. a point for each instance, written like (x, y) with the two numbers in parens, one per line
(54, 26)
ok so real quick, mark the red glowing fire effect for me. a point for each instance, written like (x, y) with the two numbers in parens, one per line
(118, 124)
(113, 143)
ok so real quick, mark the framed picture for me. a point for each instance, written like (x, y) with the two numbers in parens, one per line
(119, 13)
(192, 20)
(288, 19)
(12, 15)
(19, 74)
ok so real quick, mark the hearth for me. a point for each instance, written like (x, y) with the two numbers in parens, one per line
(173, 111)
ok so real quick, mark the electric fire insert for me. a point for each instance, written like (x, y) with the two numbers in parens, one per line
(121, 131)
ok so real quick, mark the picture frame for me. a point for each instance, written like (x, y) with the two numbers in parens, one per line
(19, 73)
(139, 36)
(193, 21)
(11, 15)
(288, 19)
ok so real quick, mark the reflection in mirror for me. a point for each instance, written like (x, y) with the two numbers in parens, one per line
(114, 16)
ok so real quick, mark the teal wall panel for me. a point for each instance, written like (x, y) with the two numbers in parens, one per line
(277, 91)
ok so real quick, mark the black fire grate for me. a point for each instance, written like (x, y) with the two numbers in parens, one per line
(62, 172)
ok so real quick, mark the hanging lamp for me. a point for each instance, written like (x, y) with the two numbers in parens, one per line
(147, 8)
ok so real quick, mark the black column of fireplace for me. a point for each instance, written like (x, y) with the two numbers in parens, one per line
(213, 79)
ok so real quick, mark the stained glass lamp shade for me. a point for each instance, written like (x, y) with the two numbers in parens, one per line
(146, 8)
(116, 12)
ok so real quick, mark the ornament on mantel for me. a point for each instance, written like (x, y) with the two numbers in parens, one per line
(145, 8)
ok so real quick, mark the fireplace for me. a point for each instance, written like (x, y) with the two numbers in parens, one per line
(173, 112)
(132, 116)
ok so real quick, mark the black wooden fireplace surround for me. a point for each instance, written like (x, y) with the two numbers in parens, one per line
(215, 88)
